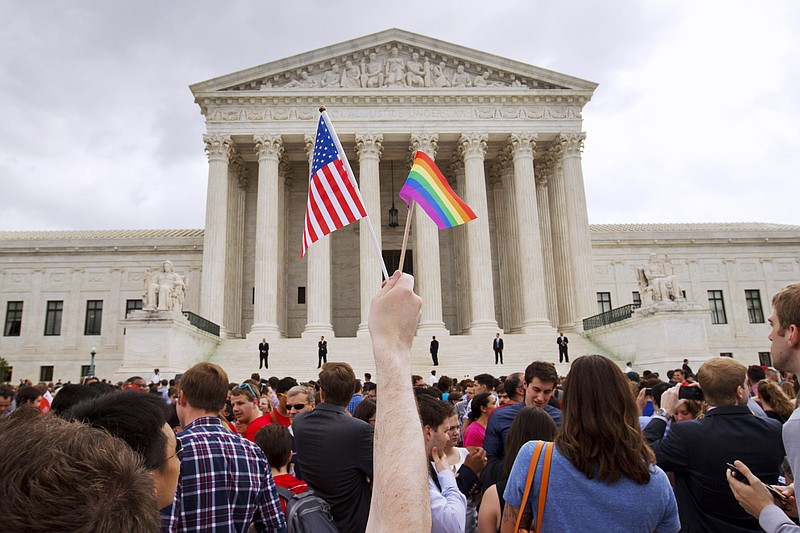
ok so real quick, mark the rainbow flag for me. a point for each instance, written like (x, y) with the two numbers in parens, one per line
(428, 187)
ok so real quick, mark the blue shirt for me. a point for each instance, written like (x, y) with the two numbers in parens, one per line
(576, 503)
(500, 422)
(354, 401)
(225, 483)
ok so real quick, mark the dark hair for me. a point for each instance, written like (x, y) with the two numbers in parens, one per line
(285, 384)
(531, 423)
(86, 481)
(755, 374)
(5, 392)
(276, 442)
(512, 383)
(658, 390)
(28, 395)
(415, 378)
(433, 412)
(444, 384)
(480, 400)
(487, 380)
(365, 410)
(367, 376)
(70, 395)
(600, 433)
(546, 372)
(337, 380)
(136, 418)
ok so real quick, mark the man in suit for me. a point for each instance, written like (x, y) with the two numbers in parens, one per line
(322, 351)
(435, 351)
(497, 346)
(563, 350)
(334, 450)
(696, 450)
(263, 354)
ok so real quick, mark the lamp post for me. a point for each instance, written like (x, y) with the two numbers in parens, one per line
(91, 364)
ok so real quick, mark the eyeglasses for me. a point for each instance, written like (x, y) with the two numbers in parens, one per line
(178, 452)
(296, 406)
(250, 388)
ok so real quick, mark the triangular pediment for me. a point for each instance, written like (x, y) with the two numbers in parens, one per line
(393, 60)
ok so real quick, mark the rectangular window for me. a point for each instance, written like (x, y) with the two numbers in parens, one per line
(13, 319)
(604, 302)
(717, 306)
(45, 373)
(85, 370)
(765, 358)
(94, 317)
(8, 373)
(637, 298)
(726, 354)
(132, 305)
(754, 311)
(301, 295)
(52, 320)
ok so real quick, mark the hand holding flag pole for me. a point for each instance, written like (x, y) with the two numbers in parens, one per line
(334, 200)
(427, 186)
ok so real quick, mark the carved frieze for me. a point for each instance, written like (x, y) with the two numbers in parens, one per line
(394, 65)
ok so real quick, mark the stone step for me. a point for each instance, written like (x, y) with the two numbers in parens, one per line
(459, 355)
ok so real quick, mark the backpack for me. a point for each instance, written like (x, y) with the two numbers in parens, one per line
(307, 512)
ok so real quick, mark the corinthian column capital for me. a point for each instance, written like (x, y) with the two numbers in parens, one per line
(369, 145)
(268, 146)
(219, 147)
(572, 143)
(424, 142)
(473, 145)
(521, 144)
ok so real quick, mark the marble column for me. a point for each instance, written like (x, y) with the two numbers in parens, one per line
(542, 170)
(285, 180)
(427, 262)
(473, 149)
(212, 304)
(534, 296)
(460, 252)
(560, 230)
(318, 282)
(234, 254)
(580, 238)
(502, 228)
(265, 311)
(368, 150)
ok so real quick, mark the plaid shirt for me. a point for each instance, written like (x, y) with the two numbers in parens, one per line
(225, 484)
(354, 401)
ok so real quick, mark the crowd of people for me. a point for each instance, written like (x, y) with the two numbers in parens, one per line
(602, 448)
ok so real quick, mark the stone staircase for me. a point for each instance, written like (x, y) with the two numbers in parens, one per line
(459, 356)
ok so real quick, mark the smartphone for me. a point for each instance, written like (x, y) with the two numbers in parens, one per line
(648, 391)
(690, 393)
(739, 476)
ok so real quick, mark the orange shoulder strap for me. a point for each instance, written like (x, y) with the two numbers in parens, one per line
(543, 484)
(537, 451)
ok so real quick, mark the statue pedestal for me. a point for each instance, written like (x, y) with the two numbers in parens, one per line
(163, 340)
(658, 337)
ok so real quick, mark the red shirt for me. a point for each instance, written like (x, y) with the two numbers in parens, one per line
(277, 418)
(291, 483)
(254, 426)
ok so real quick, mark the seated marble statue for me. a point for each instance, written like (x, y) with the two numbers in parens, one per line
(164, 290)
(657, 281)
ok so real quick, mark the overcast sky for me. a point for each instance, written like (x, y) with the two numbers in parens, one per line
(696, 118)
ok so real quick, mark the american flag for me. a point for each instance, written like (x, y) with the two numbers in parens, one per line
(334, 200)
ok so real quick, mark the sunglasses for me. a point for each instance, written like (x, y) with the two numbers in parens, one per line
(296, 406)
(248, 387)
(178, 451)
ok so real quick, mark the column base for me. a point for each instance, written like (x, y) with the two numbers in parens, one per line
(263, 330)
(317, 330)
(483, 327)
(535, 326)
(432, 328)
(363, 331)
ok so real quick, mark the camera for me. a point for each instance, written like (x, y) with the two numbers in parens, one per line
(690, 393)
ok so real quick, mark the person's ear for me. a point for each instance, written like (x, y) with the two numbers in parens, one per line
(794, 336)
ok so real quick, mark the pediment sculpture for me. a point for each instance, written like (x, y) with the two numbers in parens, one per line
(393, 66)
(657, 281)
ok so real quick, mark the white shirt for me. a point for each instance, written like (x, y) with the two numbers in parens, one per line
(448, 507)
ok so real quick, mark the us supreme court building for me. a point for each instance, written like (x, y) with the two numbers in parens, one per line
(508, 136)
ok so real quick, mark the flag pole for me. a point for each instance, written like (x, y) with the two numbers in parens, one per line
(405, 236)
(355, 186)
